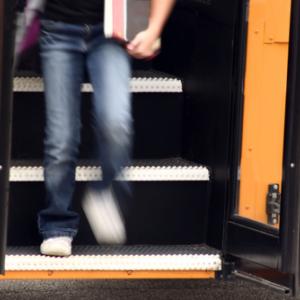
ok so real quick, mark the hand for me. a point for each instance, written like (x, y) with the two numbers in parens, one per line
(144, 45)
(29, 16)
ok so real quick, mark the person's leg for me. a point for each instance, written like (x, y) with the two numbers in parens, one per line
(109, 69)
(63, 67)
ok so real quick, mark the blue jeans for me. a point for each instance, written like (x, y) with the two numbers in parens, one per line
(67, 50)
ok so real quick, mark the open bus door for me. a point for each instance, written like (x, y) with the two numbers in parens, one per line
(262, 225)
(6, 61)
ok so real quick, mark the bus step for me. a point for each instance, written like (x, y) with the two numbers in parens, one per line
(175, 169)
(117, 258)
(142, 82)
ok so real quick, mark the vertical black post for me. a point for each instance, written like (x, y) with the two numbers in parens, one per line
(6, 74)
(290, 229)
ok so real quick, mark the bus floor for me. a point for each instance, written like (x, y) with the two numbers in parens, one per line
(138, 289)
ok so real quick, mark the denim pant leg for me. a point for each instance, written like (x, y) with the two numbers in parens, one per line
(109, 69)
(63, 68)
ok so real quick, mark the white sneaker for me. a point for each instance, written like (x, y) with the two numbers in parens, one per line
(104, 216)
(57, 246)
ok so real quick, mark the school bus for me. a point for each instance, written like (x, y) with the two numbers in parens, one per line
(216, 161)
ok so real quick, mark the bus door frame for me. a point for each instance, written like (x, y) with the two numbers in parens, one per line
(258, 251)
(290, 229)
(6, 91)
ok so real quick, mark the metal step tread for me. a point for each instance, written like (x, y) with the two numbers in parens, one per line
(173, 169)
(141, 82)
(117, 258)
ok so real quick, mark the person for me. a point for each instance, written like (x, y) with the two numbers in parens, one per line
(72, 41)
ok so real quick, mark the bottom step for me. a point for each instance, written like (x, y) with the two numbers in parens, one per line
(116, 262)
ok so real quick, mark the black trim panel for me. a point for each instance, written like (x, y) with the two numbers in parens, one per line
(255, 225)
(6, 61)
(269, 277)
(254, 245)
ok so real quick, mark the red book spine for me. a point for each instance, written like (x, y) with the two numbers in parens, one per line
(119, 19)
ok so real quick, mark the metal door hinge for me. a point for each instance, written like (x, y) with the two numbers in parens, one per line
(273, 204)
(228, 268)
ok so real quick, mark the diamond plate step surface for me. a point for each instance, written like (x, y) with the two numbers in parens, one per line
(117, 258)
(154, 170)
(153, 84)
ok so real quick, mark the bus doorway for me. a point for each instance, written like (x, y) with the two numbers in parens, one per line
(194, 212)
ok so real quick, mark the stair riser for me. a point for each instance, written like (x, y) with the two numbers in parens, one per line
(157, 213)
(158, 125)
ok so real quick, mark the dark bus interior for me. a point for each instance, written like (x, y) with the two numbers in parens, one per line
(202, 46)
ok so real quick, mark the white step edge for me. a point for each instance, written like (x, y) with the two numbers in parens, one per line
(199, 173)
(204, 262)
(137, 85)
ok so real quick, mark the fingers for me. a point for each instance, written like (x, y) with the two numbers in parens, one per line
(143, 47)
(134, 44)
(29, 16)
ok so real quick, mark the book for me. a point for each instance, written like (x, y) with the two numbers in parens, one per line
(123, 19)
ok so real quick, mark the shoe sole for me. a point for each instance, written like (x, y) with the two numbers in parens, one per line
(55, 253)
(105, 220)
